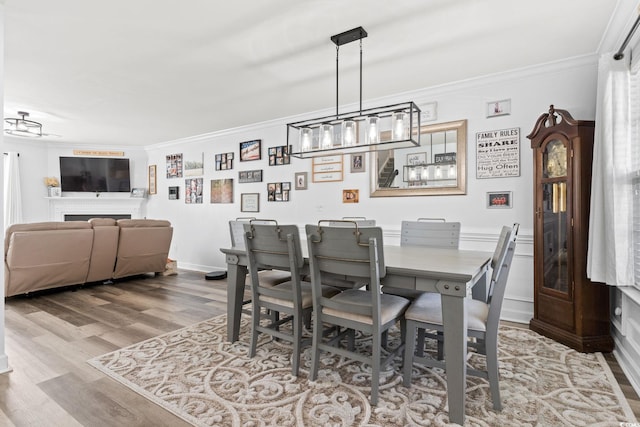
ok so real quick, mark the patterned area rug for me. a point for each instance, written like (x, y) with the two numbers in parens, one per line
(197, 375)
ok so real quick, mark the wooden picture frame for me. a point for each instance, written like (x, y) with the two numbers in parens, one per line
(250, 202)
(328, 168)
(351, 196)
(251, 150)
(152, 179)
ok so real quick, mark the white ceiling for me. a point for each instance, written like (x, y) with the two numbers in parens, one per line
(139, 72)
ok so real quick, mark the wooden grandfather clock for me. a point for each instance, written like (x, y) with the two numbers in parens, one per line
(568, 307)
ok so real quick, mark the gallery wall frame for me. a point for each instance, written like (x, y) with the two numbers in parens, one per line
(498, 108)
(278, 191)
(250, 202)
(358, 162)
(250, 176)
(251, 150)
(499, 200)
(301, 180)
(224, 161)
(279, 155)
(152, 179)
(328, 168)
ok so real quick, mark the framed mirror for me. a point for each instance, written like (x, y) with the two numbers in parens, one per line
(437, 167)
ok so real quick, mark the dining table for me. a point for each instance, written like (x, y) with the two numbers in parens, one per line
(453, 273)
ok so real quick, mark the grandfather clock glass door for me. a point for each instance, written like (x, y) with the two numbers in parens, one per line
(554, 218)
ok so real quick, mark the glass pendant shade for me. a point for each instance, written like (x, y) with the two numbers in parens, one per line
(373, 130)
(326, 136)
(305, 139)
(424, 174)
(400, 125)
(349, 134)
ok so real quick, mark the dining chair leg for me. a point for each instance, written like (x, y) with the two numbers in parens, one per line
(255, 322)
(297, 344)
(420, 345)
(351, 339)
(375, 366)
(315, 346)
(409, 348)
(491, 355)
(440, 345)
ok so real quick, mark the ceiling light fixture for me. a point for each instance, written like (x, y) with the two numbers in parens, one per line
(388, 127)
(22, 126)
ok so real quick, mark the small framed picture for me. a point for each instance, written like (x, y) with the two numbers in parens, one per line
(250, 202)
(250, 150)
(174, 193)
(499, 200)
(499, 108)
(350, 196)
(301, 180)
(357, 162)
(417, 159)
(429, 112)
(152, 179)
(138, 192)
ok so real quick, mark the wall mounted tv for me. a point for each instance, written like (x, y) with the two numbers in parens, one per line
(94, 174)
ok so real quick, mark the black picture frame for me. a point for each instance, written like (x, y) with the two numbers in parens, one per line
(251, 150)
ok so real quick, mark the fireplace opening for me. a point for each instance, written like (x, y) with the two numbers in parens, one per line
(86, 217)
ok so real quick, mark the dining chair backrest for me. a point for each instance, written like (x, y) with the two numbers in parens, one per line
(348, 222)
(236, 230)
(430, 232)
(273, 246)
(505, 250)
(337, 250)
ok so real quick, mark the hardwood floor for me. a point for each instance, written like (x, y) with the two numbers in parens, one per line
(50, 336)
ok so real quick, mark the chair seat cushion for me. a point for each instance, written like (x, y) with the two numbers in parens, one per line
(269, 278)
(427, 308)
(391, 306)
(305, 291)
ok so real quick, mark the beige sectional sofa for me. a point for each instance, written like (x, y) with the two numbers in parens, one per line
(47, 255)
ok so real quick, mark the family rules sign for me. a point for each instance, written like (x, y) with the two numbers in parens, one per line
(498, 153)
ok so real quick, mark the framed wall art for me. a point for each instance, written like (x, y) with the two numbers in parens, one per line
(250, 176)
(174, 193)
(224, 161)
(174, 166)
(250, 202)
(250, 150)
(499, 200)
(499, 108)
(222, 190)
(152, 177)
(278, 191)
(351, 196)
(327, 168)
(279, 155)
(194, 165)
(301, 180)
(193, 190)
(357, 162)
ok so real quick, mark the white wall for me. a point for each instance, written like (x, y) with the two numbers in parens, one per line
(200, 230)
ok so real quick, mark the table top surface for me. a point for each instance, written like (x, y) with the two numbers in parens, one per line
(419, 261)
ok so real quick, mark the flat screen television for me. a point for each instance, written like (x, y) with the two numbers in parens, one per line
(94, 174)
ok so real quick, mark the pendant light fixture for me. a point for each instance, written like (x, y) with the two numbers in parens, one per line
(22, 126)
(388, 127)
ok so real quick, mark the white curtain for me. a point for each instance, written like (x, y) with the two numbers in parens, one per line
(12, 193)
(610, 255)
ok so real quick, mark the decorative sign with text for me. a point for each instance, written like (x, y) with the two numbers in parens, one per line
(498, 153)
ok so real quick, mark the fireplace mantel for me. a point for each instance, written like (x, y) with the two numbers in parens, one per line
(61, 206)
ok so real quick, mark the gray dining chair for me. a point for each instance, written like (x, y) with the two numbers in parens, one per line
(273, 246)
(356, 253)
(425, 313)
(428, 232)
(267, 277)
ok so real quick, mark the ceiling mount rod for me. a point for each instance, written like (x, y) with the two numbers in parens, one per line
(619, 54)
(343, 38)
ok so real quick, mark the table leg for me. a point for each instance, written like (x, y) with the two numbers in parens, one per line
(454, 316)
(236, 275)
